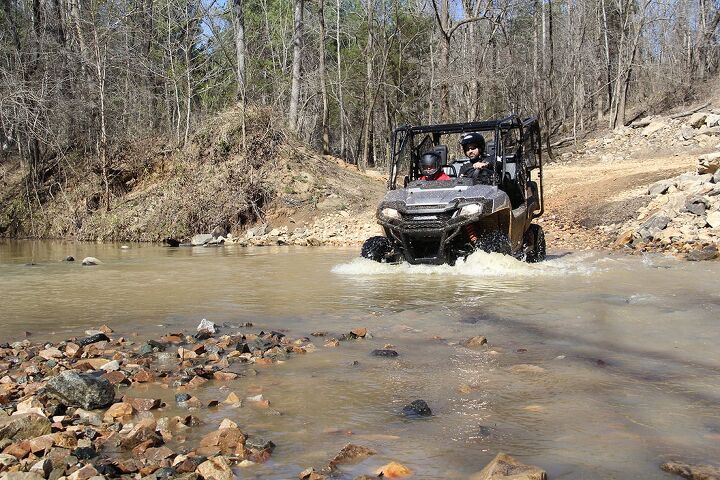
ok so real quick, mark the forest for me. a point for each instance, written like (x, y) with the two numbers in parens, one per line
(80, 78)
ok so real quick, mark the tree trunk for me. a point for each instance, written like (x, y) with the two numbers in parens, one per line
(368, 123)
(323, 86)
(239, 27)
(297, 52)
(341, 103)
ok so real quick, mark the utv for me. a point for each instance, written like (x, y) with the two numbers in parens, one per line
(439, 221)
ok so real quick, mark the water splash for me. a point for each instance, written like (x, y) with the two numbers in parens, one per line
(479, 264)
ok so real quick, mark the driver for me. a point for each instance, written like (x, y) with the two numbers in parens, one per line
(473, 145)
(430, 167)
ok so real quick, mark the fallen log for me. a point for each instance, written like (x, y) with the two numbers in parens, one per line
(687, 113)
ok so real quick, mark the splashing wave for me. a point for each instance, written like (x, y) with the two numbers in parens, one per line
(479, 264)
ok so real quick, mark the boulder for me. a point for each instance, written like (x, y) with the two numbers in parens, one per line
(697, 119)
(712, 120)
(229, 440)
(81, 390)
(713, 219)
(88, 261)
(659, 188)
(708, 163)
(206, 326)
(692, 472)
(200, 239)
(24, 426)
(216, 468)
(505, 467)
(654, 127)
(709, 252)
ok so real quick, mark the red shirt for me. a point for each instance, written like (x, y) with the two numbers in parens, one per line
(439, 175)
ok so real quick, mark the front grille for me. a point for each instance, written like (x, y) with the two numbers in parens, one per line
(416, 221)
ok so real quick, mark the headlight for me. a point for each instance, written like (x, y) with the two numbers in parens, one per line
(472, 209)
(390, 213)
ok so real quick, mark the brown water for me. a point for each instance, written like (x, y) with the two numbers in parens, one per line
(629, 348)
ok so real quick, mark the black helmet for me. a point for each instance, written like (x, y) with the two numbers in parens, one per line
(473, 137)
(429, 163)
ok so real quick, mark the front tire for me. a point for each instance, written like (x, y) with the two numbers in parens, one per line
(537, 244)
(376, 248)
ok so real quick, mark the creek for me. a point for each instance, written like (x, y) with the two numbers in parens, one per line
(598, 366)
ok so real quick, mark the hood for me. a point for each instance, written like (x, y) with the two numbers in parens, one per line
(436, 197)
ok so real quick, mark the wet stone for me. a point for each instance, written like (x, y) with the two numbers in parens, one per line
(692, 472)
(98, 337)
(504, 466)
(417, 408)
(81, 390)
(259, 443)
(84, 453)
(384, 353)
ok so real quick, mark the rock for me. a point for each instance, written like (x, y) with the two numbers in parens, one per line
(81, 390)
(22, 476)
(84, 453)
(393, 470)
(259, 443)
(98, 337)
(143, 404)
(216, 468)
(359, 332)
(111, 366)
(7, 460)
(229, 440)
(50, 353)
(506, 467)
(417, 408)
(200, 239)
(712, 120)
(696, 208)
(713, 219)
(121, 409)
(697, 119)
(85, 473)
(88, 261)
(709, 252)
(24, 426)
(384, 353)
(142, 432)
(654, 127)
(206, 325)
(88, 418)
(475, 342)
(69, 258)
(692, 472)
(218, 232)
(708, 163)
(350, 453)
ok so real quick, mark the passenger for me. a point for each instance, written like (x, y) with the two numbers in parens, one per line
(473, 145)
(430, 167)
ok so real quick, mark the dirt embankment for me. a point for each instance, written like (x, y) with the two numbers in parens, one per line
(157, 191)
(601, 193)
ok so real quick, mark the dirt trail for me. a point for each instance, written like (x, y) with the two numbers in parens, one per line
(583, 197)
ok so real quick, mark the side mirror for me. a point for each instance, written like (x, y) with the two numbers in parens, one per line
(406, 181)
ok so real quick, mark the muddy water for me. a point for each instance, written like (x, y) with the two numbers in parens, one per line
(624, 364)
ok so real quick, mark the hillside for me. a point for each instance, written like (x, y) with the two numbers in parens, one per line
(157, 191)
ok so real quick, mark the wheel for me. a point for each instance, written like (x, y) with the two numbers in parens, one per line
(537, 244)
(495, 242)
(376, 248)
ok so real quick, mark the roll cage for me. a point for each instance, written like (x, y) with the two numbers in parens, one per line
(514, 139)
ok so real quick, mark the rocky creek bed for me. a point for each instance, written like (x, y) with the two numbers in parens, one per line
(66, 412)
